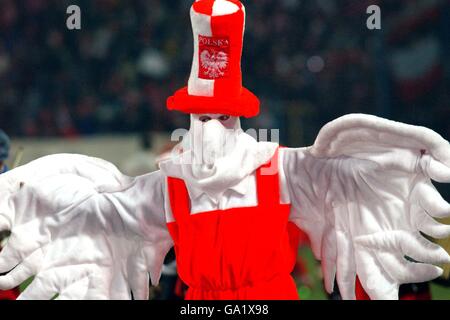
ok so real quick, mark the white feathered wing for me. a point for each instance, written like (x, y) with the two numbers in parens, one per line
(364, 195)
(84, 230)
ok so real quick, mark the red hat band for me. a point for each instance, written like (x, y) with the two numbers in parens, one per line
(215, 82)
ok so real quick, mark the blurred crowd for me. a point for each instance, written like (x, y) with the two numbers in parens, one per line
(309, 62)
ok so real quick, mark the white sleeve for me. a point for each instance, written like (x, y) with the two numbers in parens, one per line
(296, 185)
(141, 208)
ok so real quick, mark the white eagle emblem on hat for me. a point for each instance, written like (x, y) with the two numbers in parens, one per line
(214, 63)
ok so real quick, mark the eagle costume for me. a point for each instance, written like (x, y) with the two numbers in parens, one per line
(231, 206)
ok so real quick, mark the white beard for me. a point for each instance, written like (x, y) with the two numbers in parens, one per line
(212, 158)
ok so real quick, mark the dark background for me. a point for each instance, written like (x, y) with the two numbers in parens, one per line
(114, 74)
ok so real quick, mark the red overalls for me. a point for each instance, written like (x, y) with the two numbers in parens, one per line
(9, 294)
(242, 253)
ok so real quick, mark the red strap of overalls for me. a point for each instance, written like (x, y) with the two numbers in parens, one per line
(179, 198)
(267, 184)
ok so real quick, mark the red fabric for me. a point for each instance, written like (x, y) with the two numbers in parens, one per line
(213, 47)
(245, 105)
(231, 26)
(229, 96)
(204, 6)
(360, 293)
(242, 253)
(9, 294)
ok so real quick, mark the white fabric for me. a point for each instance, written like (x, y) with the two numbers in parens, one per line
(224, 7)
(363, 193)
(241, 156)
(210, 140)
(240, 196)
(85, 230)
(227, 183)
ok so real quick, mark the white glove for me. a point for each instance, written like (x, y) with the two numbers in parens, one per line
(363, 193)
(82, 228)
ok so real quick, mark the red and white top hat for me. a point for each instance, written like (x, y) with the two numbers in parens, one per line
(215, 83)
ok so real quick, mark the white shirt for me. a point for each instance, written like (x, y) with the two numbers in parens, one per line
(242, 195)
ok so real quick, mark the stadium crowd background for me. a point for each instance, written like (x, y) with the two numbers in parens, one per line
(309, 61)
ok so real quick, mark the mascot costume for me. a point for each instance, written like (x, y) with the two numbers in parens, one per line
(229, 205)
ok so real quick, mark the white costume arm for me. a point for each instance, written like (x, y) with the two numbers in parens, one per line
(84, 230)
(363, 193)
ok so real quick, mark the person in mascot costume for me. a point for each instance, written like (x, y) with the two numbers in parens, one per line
(229, 205)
